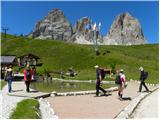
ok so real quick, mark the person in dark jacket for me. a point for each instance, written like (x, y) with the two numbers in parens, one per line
(98, 81)
(142, 79)
(9, 77)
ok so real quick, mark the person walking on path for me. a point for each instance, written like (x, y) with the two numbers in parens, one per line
(98, 81)
(9, 77)
(118, 82)
(123, 83)
(143, 76)
(27, 77)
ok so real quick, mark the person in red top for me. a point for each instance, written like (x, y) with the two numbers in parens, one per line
(27, 77)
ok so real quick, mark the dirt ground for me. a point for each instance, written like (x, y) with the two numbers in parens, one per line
(90, 107)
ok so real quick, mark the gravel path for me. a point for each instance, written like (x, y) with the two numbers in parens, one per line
(148, 108)
(85, 106)
(8, 103)
(89, 107)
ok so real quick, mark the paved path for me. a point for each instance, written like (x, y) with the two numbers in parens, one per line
(19, 90)
(89, 107)
(148, 108)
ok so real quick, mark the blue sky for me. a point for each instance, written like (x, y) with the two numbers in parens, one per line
(21, 17)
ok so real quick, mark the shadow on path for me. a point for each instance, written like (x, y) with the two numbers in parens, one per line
(104, 95)
(126, 98)
(16, 90)
(31, 91)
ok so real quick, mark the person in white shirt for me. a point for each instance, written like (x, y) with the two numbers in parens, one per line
(123, 82)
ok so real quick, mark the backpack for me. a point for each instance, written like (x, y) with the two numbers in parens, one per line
(145, 75)
(118, 79)
(103, 74)
(28, 74)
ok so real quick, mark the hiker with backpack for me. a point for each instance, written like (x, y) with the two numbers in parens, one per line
(27, 77)
(121, 81)
(118, 82)
(98, 81)
(9, 78)
(143, 77)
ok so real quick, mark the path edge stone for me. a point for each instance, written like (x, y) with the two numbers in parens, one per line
(54, 93)
(46, 111)
(130, 108)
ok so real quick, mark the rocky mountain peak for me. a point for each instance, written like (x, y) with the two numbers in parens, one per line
(125, 30)
(83, 35)
(55, 15)
(54, 26)
(79, 26)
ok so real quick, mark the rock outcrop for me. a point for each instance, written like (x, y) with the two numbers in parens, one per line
(54, 26)
(125, 30)
(82, 35)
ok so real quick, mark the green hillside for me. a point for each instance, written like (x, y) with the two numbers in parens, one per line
(57, 55)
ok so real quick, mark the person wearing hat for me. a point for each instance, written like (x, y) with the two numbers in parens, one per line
(98, 81)
(123, 83)
(27, 77)
(9, 77)
(142, 79)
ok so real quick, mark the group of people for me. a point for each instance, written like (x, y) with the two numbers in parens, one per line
(120, 80)
(29, 74)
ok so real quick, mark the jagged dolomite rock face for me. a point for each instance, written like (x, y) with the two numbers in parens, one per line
(125, 30)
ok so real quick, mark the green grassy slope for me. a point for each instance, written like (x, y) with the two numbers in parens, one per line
(57, 55)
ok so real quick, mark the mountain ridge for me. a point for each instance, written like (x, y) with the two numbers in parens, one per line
(125, 30)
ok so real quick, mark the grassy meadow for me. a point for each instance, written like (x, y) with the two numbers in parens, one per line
(58, 55)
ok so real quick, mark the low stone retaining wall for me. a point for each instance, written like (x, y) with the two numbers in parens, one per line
(46, 111)
(84, 81)
(150, 84)
(54, 93)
